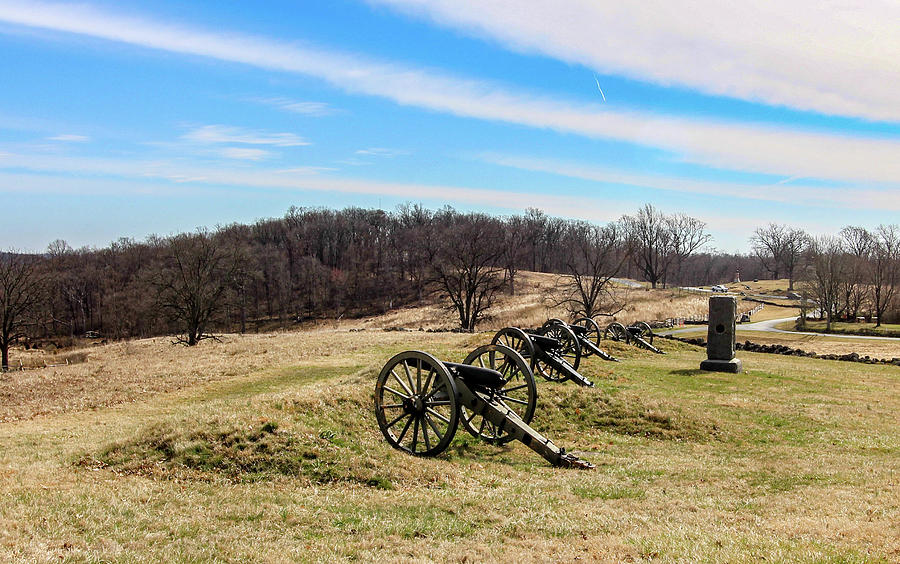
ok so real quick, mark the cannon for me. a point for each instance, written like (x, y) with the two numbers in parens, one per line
(554, 351)
(588, 333)
(420, 400)
(638, 333)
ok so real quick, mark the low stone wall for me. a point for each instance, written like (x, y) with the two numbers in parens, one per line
(788, 351)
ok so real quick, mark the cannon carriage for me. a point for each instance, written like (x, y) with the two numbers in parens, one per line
(588, 333)
(640, 334)
(420, 401)
(554, 351)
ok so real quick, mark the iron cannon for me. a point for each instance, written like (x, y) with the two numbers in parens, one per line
(587, 331)
(420, 400)
(554, 351)
(638, 333)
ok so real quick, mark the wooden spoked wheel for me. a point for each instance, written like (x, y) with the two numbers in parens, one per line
(570, 351)
(416, 403)
(591, 332)
(518, 392)
(517, 340)
(617, 332)
(646, 331)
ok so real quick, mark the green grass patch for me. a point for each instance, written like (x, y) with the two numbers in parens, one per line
(597, 491)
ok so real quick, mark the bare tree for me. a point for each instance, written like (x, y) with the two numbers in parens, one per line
(828, 270)
(466, 266)
(767, 243)
(796, 242)
(596, 255)
(885, 269)
(658, 241)
(855, 289)
(21, 289)
(779, 249)
(688, 235)
(193, 284)
(515, 231)
(651, 243)
(416, 242)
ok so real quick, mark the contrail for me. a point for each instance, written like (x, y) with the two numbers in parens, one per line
(791, 179)
(598, 88)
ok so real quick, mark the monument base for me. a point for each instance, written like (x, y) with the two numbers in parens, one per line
(734, 365)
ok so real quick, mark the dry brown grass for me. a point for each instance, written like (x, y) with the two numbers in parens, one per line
(796, 461)
(816, 344)
(533, 304)
(131, 457)
(770, 312)
(134, 370)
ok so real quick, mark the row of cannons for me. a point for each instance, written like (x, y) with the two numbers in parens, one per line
(421, 400)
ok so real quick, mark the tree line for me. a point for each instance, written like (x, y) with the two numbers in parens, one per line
(323, 263)
(853, 273)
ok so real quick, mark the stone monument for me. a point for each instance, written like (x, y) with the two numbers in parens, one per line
(721, 336)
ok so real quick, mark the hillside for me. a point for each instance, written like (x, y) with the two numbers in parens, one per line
(265, 447)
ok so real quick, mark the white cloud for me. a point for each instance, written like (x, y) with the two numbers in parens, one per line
(757, 148)
(382, 152)
(829, 56)
(314, 109)
(782, 192)
(77, 170)
(69, 138)
(211, 134)
(244, 153)
(305, 170)
(93, 176)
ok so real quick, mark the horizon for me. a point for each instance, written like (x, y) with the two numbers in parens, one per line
(122, 119)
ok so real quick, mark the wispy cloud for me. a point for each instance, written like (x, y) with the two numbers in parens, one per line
(757, 148)
(70, 138)
(83, 176)
(245, 154)
(849, 197)
(211, 134)
(828, 56)
(77, 169)
(305, 170)
(314, 109)
(382, 152)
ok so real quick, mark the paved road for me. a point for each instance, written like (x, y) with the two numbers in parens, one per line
(769, 327)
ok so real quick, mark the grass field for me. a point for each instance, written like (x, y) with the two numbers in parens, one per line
(813, 343)
(769, 312)
(265, 447)
(886, 329)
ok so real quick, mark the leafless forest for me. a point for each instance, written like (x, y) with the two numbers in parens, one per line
(321, 263)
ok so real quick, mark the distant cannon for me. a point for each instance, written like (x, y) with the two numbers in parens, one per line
(555, 354)
(587, 331)
(420, 400)
(638, 333)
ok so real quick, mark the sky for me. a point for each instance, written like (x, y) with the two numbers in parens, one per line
(126, 118)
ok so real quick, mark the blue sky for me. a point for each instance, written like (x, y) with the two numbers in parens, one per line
(130, 118)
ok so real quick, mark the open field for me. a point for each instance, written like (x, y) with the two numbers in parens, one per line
(264, 447)
(773, 287)
(813, 343)
(769, 312)
(885, 330)
(534, 303)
